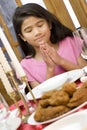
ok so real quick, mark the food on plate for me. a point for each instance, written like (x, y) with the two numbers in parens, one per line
(84, 84)
(57, 102)
(70, 88)
(43, 114)
(48, 94)
(78, 98)
(67, 87)
(57, 98)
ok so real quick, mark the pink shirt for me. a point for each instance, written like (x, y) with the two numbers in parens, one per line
(36, 70)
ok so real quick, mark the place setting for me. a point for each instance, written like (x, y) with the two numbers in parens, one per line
(43, 104)
(32, 120)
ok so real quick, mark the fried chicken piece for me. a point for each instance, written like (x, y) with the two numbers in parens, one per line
(48, 94)
(70, 88)
(58, 98)
(44, 114)
(79, 97)
(44, 103)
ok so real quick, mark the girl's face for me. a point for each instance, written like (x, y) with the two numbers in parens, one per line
(35, 30)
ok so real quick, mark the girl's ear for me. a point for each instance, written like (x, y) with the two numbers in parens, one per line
(22, 37)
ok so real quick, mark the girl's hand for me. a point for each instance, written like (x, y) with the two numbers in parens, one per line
(45, 53)
(49, 62)
(51, 53)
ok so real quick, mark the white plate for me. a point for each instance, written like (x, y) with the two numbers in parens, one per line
(32, 121)
(37, 93)
(14, 113)
(76, 121)
(11, 123)
(47, 85)
(56, 82)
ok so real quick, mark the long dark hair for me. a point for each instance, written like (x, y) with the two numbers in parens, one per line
(58, 31)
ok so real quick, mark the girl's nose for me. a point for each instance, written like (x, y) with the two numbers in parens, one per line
(36, 31)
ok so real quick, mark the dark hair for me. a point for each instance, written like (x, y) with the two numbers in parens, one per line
(58, 31)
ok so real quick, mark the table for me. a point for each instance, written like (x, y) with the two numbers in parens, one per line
(25, 126)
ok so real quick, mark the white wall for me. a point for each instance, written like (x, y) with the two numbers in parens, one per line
(40, 2)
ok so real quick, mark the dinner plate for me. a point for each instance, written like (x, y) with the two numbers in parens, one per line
(32, 121)
(76, 121)
(12, 123)
(14, 113)
(56, 82)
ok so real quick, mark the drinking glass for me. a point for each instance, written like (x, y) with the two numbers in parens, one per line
(3, 113)
(81, 33)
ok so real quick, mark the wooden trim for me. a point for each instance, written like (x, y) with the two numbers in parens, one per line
(57, 7)
(5, 94)
(5, 28)
(84, 5)
(10, 37)
(79, 7)
(18, 2)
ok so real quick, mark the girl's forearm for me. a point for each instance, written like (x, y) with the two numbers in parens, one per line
(50, 73)
(68, 65)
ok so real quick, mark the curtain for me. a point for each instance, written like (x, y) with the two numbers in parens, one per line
(80, 8)
(58, 8)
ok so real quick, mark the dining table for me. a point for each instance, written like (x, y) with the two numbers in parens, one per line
(27, 126)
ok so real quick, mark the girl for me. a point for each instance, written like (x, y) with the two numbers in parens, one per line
(49, 46)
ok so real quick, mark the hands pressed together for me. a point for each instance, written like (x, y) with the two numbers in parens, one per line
(50, 57)
(49, 54)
